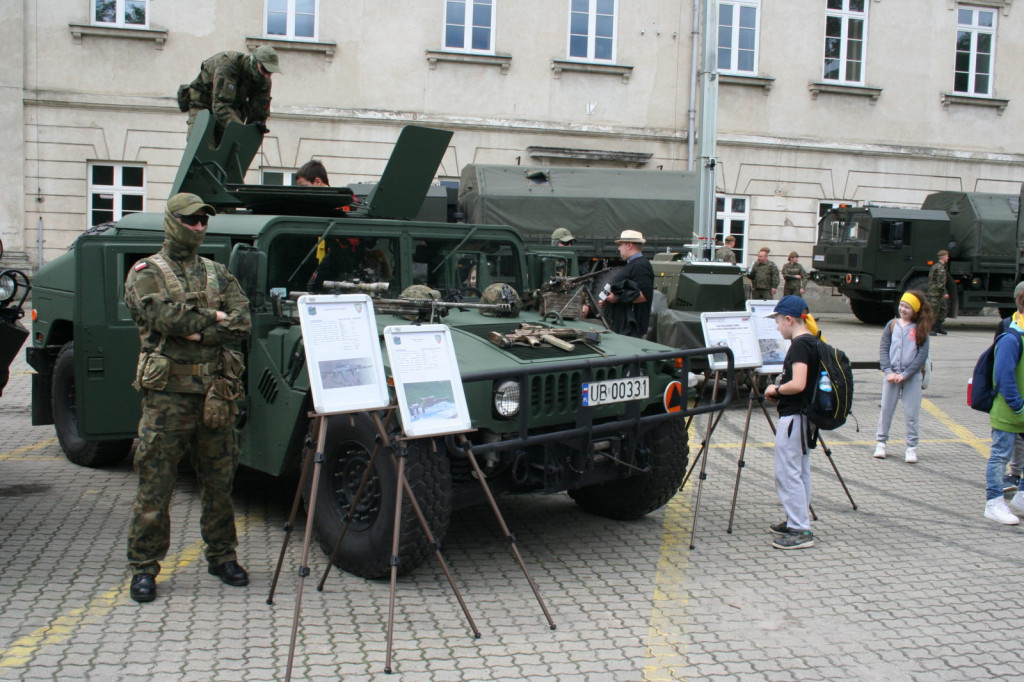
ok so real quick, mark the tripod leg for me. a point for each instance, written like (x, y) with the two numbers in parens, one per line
(318, 459)
(382, 430)
(741, 462)
(828, 453)
(396, 531)
(703, 465)
(467, 448)
(291, 520)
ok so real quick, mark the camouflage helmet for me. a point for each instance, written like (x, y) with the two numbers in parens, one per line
(418, 292)
(501, 293)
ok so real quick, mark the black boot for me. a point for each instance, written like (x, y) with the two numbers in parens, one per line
(231, 573)
(942, 331)
(143, 587)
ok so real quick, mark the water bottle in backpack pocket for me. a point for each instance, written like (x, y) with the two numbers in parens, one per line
(826, 397)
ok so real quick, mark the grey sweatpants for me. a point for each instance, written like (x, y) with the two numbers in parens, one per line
(793, 472)
(910, 390)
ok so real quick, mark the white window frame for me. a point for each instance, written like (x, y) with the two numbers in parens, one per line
(289, 33)
(468, 26)
(734, 36)
(591, 34)
(118, 189)
(725, 219)
(976, 30)
(846, 15)
(119, 12)
(288, 175)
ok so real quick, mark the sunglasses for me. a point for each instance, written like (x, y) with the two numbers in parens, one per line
(193, 220)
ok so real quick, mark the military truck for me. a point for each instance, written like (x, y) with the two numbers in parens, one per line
(872, 254)
(596, 204)
(532, 431)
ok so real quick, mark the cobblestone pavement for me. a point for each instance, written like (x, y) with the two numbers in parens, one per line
(901, 588)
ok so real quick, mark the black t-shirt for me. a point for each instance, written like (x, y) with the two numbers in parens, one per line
(803, 349)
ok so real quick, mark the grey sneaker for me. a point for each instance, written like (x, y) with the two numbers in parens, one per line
(795, 539)
(781, 528)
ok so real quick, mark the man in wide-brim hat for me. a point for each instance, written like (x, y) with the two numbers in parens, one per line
(627, 298)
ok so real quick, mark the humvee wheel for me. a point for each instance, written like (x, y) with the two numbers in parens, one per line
(366, 550)
(870, 312)
(88, 453)
(633, 497)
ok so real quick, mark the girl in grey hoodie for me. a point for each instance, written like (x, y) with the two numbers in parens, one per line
(901, 356)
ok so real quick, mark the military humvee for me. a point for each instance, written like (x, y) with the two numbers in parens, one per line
(533, 432)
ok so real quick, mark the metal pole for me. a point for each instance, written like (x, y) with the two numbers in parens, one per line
(705, 226)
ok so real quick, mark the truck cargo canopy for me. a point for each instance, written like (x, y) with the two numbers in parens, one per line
(983, 225)
(590, 202)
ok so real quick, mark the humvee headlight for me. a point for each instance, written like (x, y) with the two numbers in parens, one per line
(7, 288)
(506, 399)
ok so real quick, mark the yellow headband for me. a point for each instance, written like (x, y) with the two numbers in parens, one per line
(913, 301)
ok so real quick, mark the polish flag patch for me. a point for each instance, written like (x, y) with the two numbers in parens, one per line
(141, 265)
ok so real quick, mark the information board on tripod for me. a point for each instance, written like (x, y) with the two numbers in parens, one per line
(773, 346)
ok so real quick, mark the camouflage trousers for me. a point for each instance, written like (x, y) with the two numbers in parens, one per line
(172, 425)
(792, 289)
(941, 307)
(760, 294)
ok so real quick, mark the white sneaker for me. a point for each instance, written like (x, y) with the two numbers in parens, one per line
(997, 510)
(1017, 503)
(880, 451)
(912, 457)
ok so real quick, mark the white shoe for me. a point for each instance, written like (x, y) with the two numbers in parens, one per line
(880, 451)
(912, 456)
(1017, 503)
(997, 510)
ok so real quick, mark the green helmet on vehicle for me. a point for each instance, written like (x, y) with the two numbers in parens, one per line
(501, 293)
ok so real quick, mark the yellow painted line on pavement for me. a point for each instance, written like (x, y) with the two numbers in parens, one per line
(962, 433)
(64, 626)
(13, 454)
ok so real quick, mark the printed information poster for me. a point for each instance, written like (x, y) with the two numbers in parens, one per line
(427, 380)
(346, 368)
(734, 329)
(773, 346)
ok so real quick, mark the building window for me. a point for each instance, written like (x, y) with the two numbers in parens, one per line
(592, 30)
(737, 36)
(845, 32)
(115, 190)
(277, 177)
(124, 13)
(975, 44)
(292, 19)
(469, 26)
(732, 215)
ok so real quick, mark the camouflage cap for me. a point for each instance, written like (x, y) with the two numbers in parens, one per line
(187, 204)
(267, 56)
(562, 234)
(501, 293)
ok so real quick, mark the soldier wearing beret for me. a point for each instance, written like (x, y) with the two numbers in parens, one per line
(234, 86)
(794, 276)
(188, 309)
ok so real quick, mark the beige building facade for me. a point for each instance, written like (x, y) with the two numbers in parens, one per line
(820, 101)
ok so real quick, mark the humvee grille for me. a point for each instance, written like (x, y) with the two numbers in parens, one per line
(268, 387)
(559, 393)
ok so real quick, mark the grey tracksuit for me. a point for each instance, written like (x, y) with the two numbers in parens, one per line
(899, 353)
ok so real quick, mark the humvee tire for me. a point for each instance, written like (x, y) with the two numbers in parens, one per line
(631, 498)
(95, 454)
(870, 312)
(366, 551)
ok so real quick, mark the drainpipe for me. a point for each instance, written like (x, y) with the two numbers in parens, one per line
(691, 117)
(39, 242)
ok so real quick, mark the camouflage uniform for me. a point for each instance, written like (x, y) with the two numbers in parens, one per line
(231, 87)
(172, 418)
(764, 277)
(938, 280)
(793, 285)
(724, 254)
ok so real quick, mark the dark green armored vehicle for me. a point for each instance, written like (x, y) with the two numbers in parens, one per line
(534, 432)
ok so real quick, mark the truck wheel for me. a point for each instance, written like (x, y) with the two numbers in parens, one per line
(633, 497)
(87, 453)
(366, 550)
(870, 312)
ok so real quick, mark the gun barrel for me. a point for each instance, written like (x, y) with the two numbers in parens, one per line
(372, 287)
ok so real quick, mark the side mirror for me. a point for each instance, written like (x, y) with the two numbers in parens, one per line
(249, 266)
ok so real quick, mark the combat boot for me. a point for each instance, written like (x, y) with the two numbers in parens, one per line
(143, 587)
(230, 573)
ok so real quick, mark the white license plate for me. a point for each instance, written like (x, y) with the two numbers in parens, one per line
(616, 391)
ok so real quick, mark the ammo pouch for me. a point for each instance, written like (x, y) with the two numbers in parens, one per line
(153, 371)
(219, 408)
(184, 97)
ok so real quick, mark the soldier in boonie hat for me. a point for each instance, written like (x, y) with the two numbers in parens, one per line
(562, 237)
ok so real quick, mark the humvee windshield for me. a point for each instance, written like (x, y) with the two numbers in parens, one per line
(452, 266)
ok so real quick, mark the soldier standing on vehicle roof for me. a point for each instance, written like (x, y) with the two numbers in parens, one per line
(725, 254)
(795, 276)
(938, 291)
(764, 276)
(628, 296)
(234, 87)
(187, 309)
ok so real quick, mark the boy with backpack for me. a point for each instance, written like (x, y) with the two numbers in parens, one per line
(793, 393)
(1006, 417)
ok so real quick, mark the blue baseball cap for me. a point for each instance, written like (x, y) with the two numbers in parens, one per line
(794, 306)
